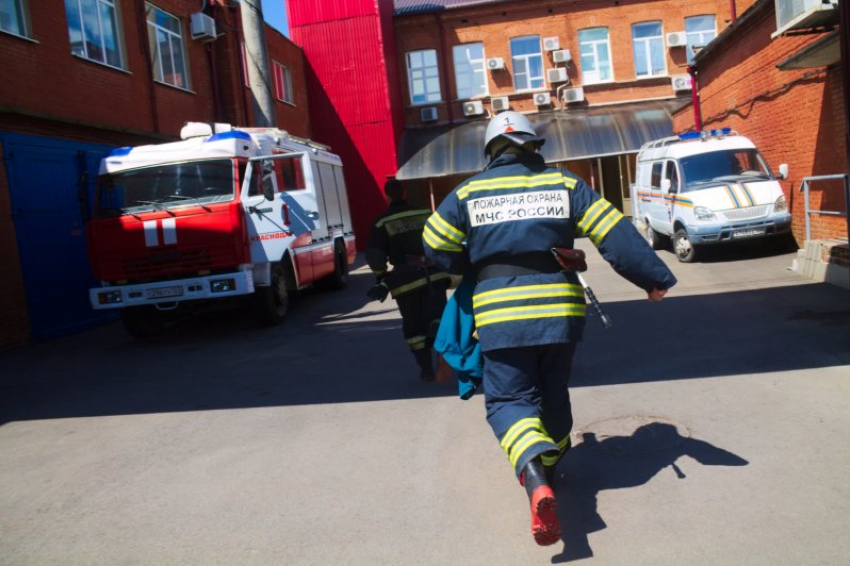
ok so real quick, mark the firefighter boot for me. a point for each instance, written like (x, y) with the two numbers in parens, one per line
(544, 514)
(426, 366)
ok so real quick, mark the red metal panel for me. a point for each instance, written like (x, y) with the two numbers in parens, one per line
(307, 12)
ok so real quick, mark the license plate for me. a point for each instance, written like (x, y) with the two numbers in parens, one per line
(748, 233)
(162, 292)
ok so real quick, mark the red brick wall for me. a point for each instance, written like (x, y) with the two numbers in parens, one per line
(495, 25)
(295, 117)
(794, 117)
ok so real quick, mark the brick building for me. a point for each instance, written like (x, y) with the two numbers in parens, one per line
(599, 78)
(80, 78)
(787, 95)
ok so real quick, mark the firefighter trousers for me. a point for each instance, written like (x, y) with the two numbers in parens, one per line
(528, 401)
(421, 310)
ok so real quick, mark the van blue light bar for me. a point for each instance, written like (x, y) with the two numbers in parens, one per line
(717, 133)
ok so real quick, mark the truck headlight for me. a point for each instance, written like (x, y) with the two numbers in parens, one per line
(109, 297)
(703, 213)
(781, 205)
(222, 285)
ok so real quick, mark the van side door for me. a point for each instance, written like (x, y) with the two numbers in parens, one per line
(669, 189)
(657, 207)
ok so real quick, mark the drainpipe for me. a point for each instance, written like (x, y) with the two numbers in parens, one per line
(444, 67)
(216, 85)
(146, 49)
(844, 29)
(237, 16)
(695, 98)
(733, 9)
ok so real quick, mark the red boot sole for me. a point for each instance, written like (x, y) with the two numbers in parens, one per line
(544, 517)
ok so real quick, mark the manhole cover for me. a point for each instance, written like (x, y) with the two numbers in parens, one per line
(632, 435)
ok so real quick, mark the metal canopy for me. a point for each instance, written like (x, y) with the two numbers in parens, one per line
(574, 133)
(822, 53)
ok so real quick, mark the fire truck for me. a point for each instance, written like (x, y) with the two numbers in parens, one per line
(224, 213)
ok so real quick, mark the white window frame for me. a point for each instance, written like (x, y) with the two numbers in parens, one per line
(586, 77)
(643, 45)
(429, 73)
(527, 59)
(282, 83)
(20, 13)
(473, 69)
(698, 37)
(99, 5)
(173, 37)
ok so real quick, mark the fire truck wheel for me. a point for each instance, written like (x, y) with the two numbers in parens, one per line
(272, 302)
(142, 322)
(685, 250)
(339, 278)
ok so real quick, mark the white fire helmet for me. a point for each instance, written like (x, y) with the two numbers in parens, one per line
(512, 126)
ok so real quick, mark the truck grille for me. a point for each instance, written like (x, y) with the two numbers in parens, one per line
(747, 213)
(167, 263)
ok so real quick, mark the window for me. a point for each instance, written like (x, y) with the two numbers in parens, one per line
(595, 52)
(244, 52)
(13, 17)
(422, 77)
(290, 175)
(166, 43)
(655, 183)
(93, 29)
(699, 30)
(672, 175)
(527, 62)
(282, 83)
(470, 73)
(648, 45)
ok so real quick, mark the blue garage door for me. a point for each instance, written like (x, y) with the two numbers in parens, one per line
(46, 179)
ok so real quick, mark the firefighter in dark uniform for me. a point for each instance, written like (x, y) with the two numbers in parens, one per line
(500, 225)
(418, 288)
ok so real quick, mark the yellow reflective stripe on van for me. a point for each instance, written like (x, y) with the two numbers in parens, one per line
(592, 213)
(438, 224)
(604, 226)
(746, 192)
(437, 242)
(530, 312)
(516, 182)
(406, 214)
(732, 196)
(527, 292)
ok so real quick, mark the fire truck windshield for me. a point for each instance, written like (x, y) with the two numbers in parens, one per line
(162, 187)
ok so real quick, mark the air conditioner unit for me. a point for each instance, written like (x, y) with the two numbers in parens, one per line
(542, 98)
(562, 56)
(495, 63)
(473, 108)
(428, 114)
(501, 103)
(677, 39)
(803, 14)
(556, 75)
(681, 82)
(574, 94)
(551, 44)
(202, 26)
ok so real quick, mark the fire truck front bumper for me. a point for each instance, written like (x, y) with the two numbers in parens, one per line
(171, 292)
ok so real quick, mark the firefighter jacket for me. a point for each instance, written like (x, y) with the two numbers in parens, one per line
(519, 208)
(395, 238)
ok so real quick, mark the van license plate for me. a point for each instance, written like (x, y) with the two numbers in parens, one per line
(162, 292)
(748, 233)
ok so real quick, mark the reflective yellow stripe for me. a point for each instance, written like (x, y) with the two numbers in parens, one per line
(437, 223)
(567, 291)
(418, 283)
(570, 183)
(523, 289)
(379, 272)
(592, 213)
(434, 241)
(530, 312)
(405, 214)
(746, 192)
(518, 427)
(527, 442)
(598, 233)
(500, 183)
(416, 343)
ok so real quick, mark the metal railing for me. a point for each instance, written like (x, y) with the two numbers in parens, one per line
(804, 188)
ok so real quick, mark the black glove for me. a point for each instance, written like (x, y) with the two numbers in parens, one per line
(378, 292)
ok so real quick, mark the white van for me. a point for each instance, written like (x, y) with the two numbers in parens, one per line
(704, 188)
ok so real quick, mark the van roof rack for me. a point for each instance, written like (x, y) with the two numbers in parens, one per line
(689, 136)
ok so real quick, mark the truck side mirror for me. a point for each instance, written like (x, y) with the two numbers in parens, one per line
(783, 171)
(268, 191)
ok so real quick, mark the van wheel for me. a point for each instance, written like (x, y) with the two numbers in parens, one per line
(142, 323)
(685, 251)
(272, 303)
(339, 278)
(653, 238)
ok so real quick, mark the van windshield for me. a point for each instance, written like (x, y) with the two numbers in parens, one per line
(718, 167)
(162, 187)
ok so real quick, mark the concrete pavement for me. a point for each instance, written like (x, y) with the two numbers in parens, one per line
(710, 429)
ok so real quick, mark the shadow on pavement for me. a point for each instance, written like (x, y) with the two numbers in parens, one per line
(618, 462)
